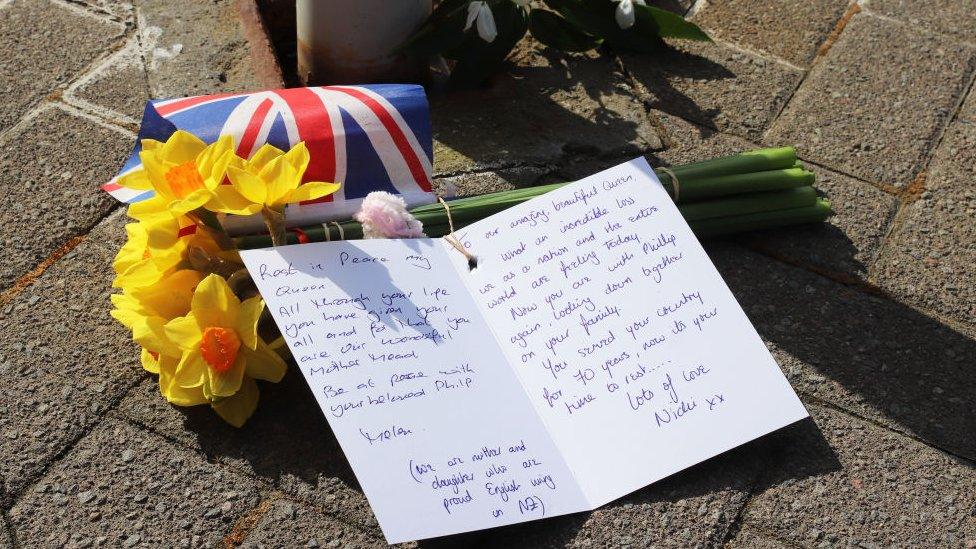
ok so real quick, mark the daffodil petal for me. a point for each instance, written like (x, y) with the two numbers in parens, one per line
(236, 410)
(248, 184)
(228, 199)
(192, 201)
(247, 321)
(264, 363)
(191, 371)
(281, 178)
(152, 208)
(138, 180)
(214, 304)
(184, 332)
(227, 383)
(298, 157)
(212, 154)
(149, 362)
(182, 147)
(312, 191)
(265, 154)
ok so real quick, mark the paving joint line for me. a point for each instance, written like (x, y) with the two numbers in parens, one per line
(14, 498)
(85, 10)
(249, 520)
(27, 279)
(963, 460)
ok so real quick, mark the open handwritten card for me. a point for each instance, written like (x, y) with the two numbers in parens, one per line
(594, 350)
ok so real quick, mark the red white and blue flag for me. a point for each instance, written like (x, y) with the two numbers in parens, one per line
(368, 138)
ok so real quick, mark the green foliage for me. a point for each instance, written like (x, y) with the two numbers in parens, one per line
(568, 25)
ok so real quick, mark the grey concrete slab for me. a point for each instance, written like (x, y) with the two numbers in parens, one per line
(886, 491)
(194, 48)
(968, 110)
(287, 442)
(294, 524)
(790, 30)
(53, 43)
(547, 107)
(469, 184)
(116, 89)
(877, 103)
(956, 19)
(872, 356)
(123, 487)
(6, 540)
(694, 508)
(50, 171)
(847, 244)
(928, 261)
(63, 362)
(121, 10)
(715, 85)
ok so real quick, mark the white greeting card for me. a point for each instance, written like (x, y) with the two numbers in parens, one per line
(594, 350)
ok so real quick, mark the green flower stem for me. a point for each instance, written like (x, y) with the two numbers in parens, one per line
(713, 217)
(207, 220)
(274, 219)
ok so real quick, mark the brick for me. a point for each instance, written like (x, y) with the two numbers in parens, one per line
(303, 458)
(194, 48)
(117, 88)
(790, 30)
(875, 357)
(848, 243)
(50, 173)
(949, 17)
(63, 362)
(877, 489)
(694, 508)
(129, 488)
(292, 524)
(877, 102)
(53, 43)
(928, 261)
(715, 85)
(547, 107)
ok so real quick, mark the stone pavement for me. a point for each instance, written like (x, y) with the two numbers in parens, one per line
(872, 316)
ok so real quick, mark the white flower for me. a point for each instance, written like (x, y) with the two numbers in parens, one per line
(625, 12)
(480, 12)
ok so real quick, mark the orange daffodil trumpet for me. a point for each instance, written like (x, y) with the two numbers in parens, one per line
(196, 334)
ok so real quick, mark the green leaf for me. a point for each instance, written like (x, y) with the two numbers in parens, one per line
(477, 59)
(556, 32)
(443, 30)
(666, 24)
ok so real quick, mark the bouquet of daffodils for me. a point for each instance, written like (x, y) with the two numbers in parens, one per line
(194, 311)
(185, 293)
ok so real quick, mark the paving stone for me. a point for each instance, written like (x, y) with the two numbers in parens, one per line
(132, 488)
(53, 43)
(470, 184)
(6, 541)
(715, 85)
(63, 362)
(548, 106)
(848, 243)
(117, 88)
(875, 357)
(888, 491)
(194, 48)
(950, 17)
(120, 10)
(877, 102)
(694, 508)
(302, 456)
(929, 260)
(968, 111)
(748, 538)
(791, 30)
(293, 524)
(53, 165)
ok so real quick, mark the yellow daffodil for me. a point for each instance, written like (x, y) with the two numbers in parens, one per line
(165, 367)
(158, 246)
(184, 172)
(218, 343)
(146, 309)
(271, 179)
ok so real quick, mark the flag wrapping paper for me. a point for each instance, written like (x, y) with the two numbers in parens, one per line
(368, 138)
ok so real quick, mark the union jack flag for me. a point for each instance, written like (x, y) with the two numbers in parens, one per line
(368, 138)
